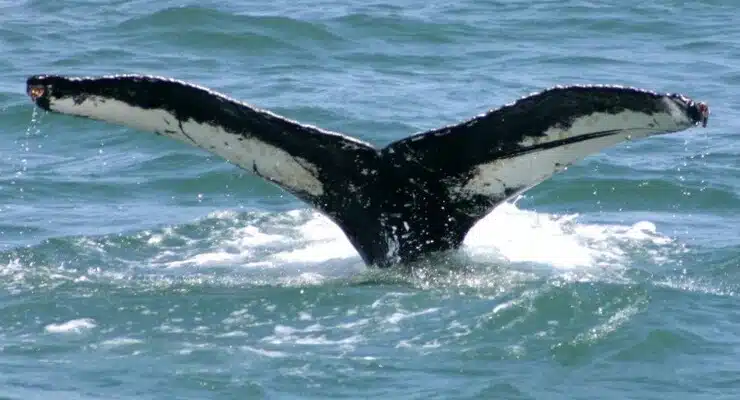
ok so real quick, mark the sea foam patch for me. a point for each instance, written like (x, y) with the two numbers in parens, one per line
(302, 242)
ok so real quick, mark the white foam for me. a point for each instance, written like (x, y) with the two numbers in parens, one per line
(619, 318)
(72, 326)
(516, 235)
(304, 247)
(324, 241)
(301, 237)
(399, 316)
(120, 342)
(265, 353)
(312, 335)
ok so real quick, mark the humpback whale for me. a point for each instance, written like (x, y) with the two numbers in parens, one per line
(395, 204)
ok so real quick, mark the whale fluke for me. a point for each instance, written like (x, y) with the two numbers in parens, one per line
(412, 197)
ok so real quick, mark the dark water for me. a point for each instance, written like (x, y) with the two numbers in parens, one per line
(134, 267)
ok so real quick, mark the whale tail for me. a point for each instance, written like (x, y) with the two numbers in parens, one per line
(418, 195)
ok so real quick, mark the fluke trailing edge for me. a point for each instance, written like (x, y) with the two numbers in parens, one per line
(415, 196)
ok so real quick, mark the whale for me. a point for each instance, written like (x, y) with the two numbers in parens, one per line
(399, 202)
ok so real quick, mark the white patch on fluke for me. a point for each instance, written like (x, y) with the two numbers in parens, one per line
(523, 172)
(270, 162)
(526, 170)
(627, 119)
(678, 116)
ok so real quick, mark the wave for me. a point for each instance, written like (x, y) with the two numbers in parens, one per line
(213, 29)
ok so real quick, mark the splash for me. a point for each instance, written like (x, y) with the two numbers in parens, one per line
(32, 129)
(268, 240)
(510, 247)
(307, 242)
(560, 241)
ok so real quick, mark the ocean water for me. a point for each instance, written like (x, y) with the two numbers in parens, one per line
(135, 267)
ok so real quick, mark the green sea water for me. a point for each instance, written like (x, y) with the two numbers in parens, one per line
(135, 267)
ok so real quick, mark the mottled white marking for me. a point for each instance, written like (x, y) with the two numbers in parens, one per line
(678, 115)
(272, 163)
(520, 173)
(599, 122)
(524, 171)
